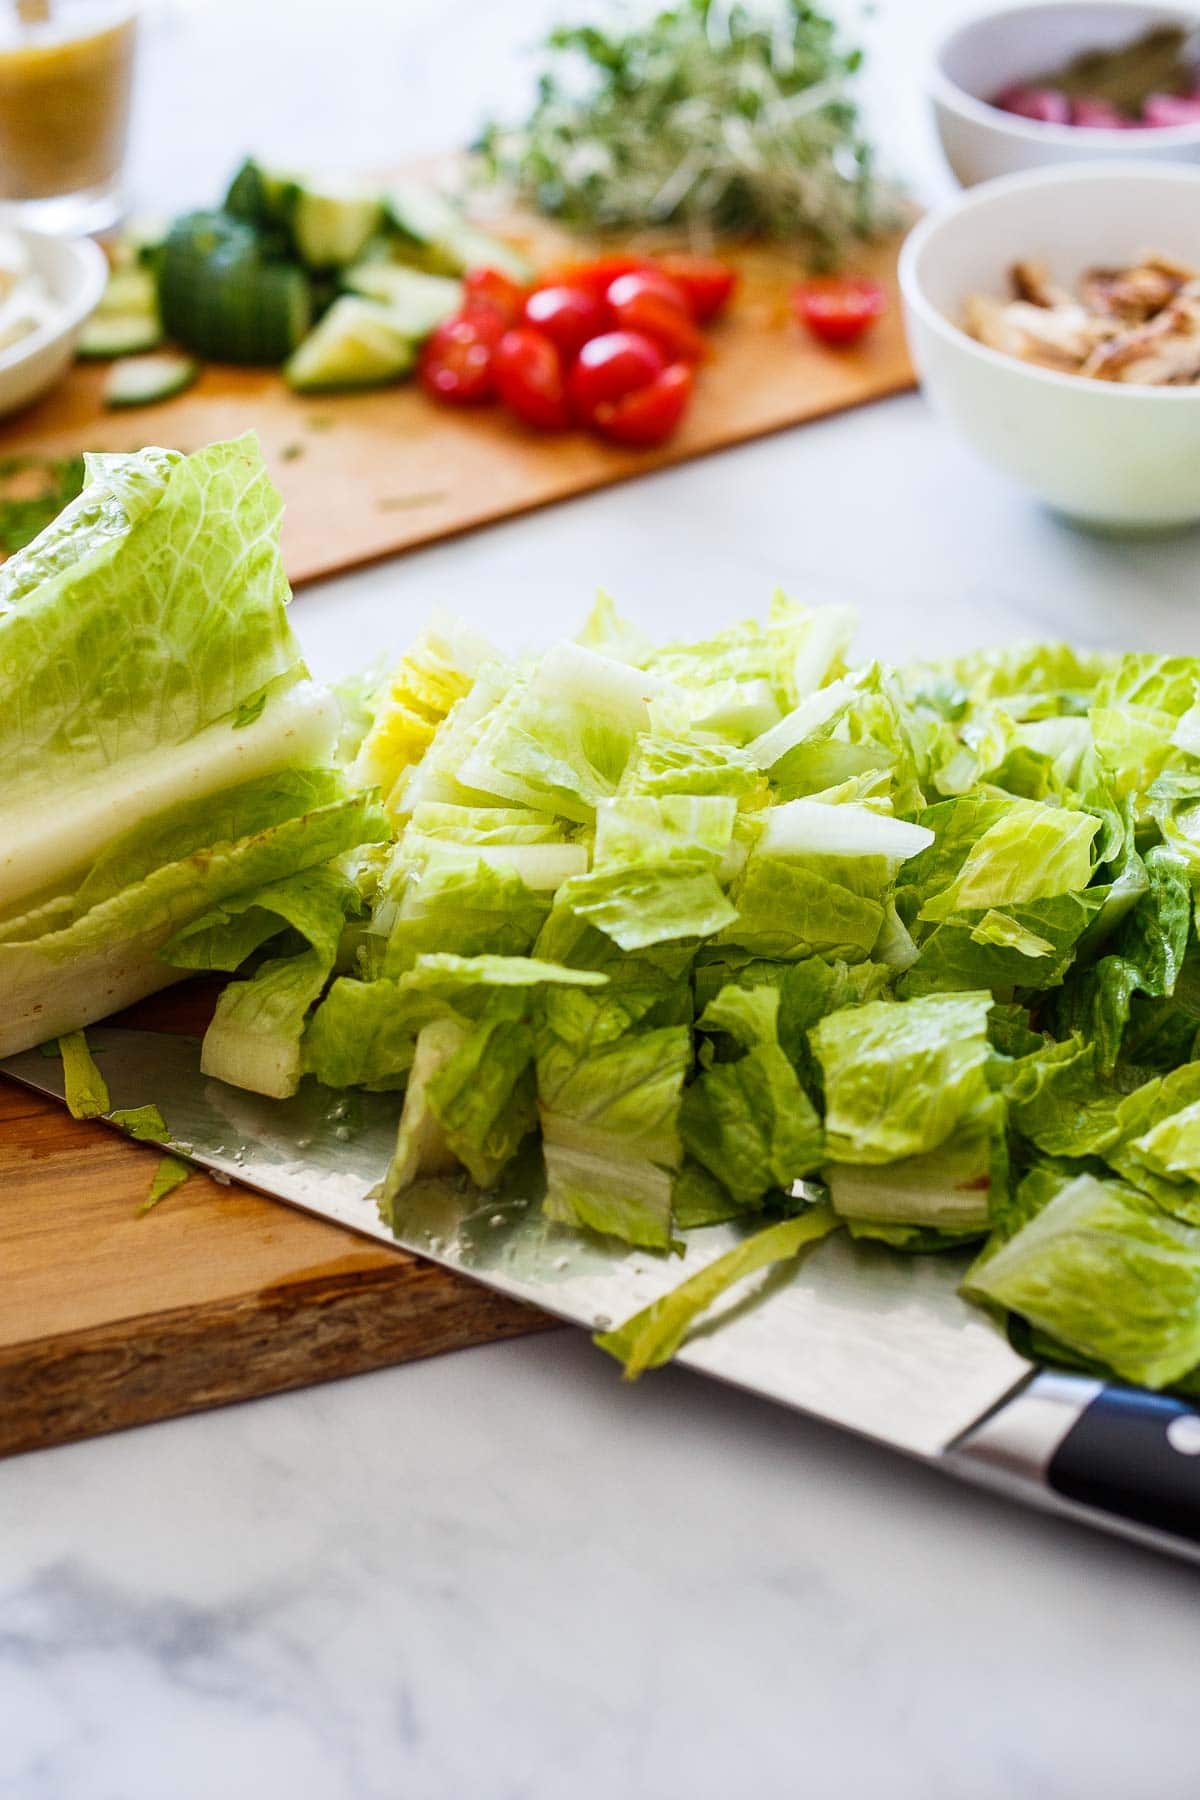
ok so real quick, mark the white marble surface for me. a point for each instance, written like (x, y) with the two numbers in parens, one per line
(501, 1576)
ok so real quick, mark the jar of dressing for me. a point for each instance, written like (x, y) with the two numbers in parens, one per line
(66, 70)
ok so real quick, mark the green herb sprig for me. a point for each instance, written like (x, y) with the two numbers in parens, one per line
(726, 120)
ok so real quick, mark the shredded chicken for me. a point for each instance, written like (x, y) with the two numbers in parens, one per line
(1135, 324)
(1031, 281)
(1058, 337)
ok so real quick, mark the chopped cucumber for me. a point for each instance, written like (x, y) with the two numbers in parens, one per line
(359, 343)
(257, 195)
(330, 229)
(436, 235)
(138, 240)
(118, 334)
(128, 290)
(126, 317)
(224, 294)
(141, 380)
(418, 300)
(328, 224)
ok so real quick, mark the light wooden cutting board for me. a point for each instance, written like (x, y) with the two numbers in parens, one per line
(365, 475)
(111, 1318)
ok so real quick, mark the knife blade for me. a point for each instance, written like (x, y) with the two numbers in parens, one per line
(876, 1342)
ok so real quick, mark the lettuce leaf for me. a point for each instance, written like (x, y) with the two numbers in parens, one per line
(746, 1118)
(254, 1038)
(609, 1110)
(1033, 852)
(950, 1192)
(640, 906)
(900, 1076)
(1101, 1268)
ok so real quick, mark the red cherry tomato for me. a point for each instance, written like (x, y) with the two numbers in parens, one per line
(610, 366)
(838, 308)
(569, 316)
(491, 287)
(456, 361)
(708, 284)
(647, 415)
(653, 304)
(637, 282)
(597, 273)
(529, 378)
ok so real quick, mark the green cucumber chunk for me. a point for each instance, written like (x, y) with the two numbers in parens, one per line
(225, 293)
(434, 234)
(330, 229)
(359, 343)
(328, 223)
(141, 380)
(415, 299)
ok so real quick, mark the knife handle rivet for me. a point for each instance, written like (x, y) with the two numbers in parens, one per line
(1183, 1434)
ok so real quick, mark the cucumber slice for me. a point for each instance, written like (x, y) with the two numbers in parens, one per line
(126, 317)
(141, 380)
(118, 334)
(435, 234)
(415, 299)
(225, 295)
(331, 229)
(132, 289)
(359, 343)
(328, 224)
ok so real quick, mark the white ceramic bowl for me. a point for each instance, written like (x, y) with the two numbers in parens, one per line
(1107, 453)
(981, 58)
(74, 271)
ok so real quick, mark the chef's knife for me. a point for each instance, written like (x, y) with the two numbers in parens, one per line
(873, 1341)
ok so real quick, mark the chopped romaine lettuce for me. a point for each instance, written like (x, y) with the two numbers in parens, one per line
(900, 1076)
(135, 634)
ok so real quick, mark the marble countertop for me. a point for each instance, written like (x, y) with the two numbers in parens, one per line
(501, 1575)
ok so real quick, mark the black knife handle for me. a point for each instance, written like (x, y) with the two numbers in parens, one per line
(1136, 1455)
(1112, 1456)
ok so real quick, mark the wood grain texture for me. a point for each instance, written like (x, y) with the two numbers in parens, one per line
(108, 1318)
(366, 475)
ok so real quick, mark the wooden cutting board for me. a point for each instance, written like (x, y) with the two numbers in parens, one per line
(366, 475)
(108, 1318)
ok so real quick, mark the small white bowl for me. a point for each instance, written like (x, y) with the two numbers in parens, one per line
(980, 59)
(74, 271)
(1107, 453)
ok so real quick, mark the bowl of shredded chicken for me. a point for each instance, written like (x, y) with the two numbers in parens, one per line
(1063, 352)
(1136, 322)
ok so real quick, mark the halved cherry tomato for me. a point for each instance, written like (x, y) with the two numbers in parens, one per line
(530, 379)
(647, 415)
(596, 274)
(838, 308)
(456, 361)
(708, 284)
(610, 366)
(569, 316)
(491, 287)
(654, 305)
